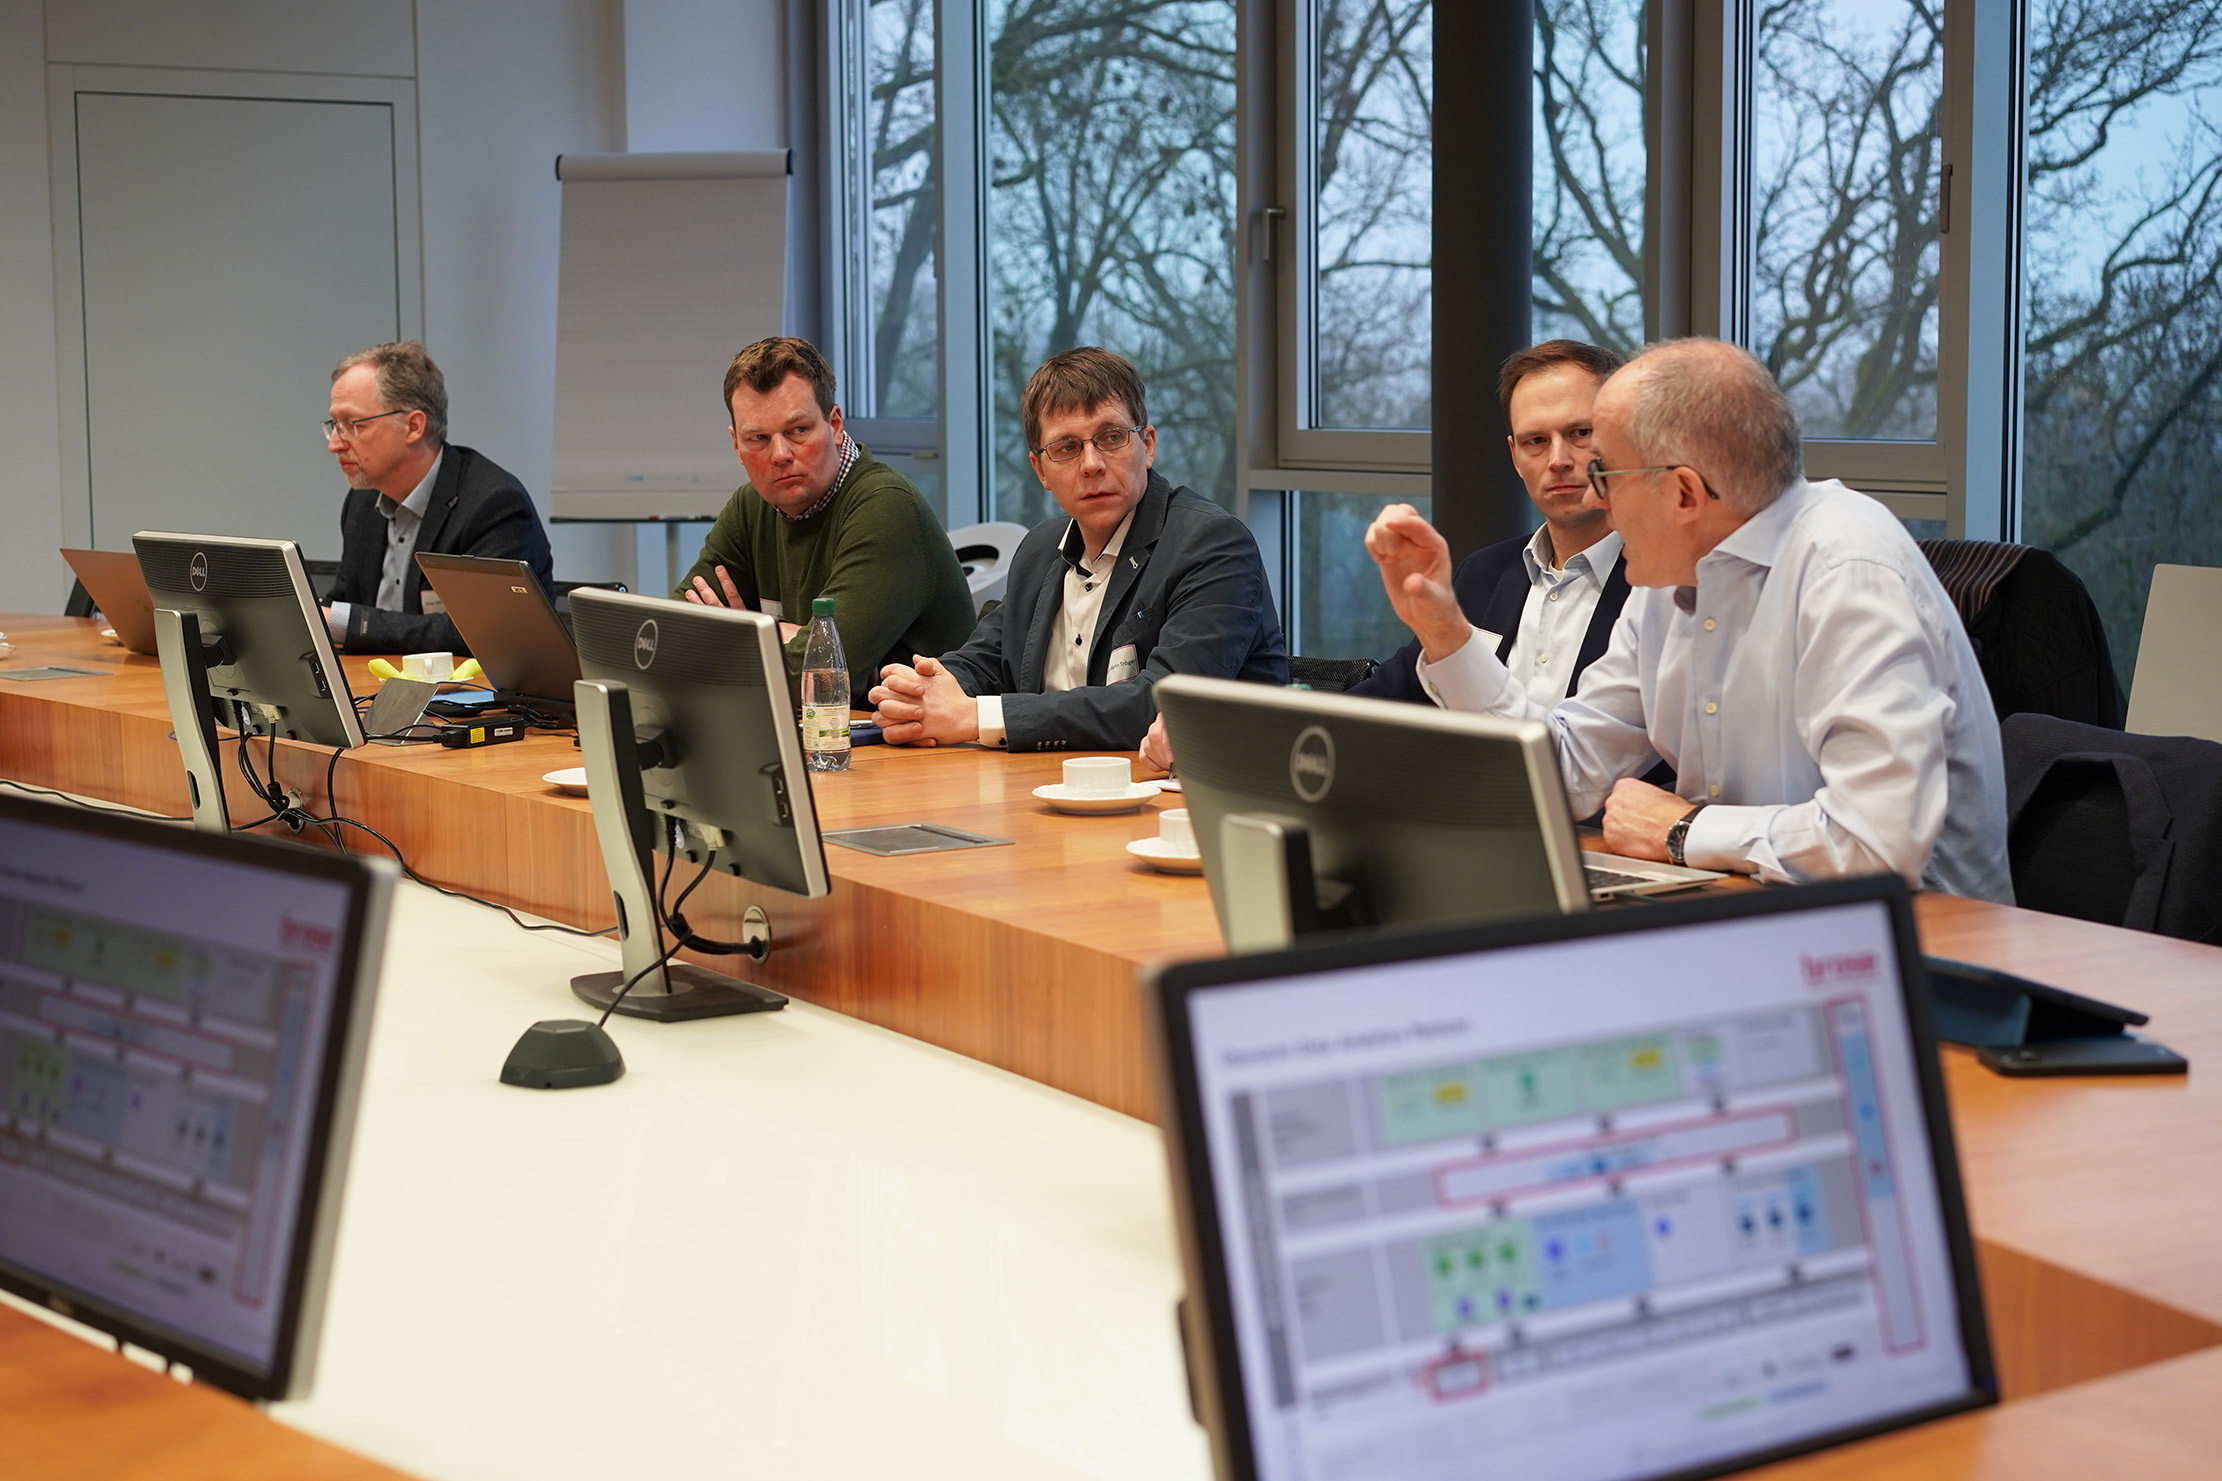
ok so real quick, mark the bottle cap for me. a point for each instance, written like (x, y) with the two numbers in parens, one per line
(821, 606)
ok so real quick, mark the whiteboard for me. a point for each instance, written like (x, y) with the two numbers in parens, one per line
(670, 264)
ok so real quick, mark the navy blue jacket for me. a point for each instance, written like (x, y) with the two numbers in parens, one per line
(1492, 590)
(476, 508)
(1189, 593)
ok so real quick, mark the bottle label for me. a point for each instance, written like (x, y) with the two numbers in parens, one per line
(825, 728)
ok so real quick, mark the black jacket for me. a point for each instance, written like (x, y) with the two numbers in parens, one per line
(477, 508)
(1189, 593)
(1492, 589)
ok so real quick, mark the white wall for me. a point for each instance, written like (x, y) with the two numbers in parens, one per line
(32, 576)
(503, 86)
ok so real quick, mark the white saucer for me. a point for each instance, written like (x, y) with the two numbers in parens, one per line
(571, 779)
(1159, 855)
(1059, 796)
(110, 634)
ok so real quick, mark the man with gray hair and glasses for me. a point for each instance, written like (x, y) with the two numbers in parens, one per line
(411, 490)
(1787, 650)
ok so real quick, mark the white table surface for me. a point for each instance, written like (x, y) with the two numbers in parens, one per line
(783, 1245)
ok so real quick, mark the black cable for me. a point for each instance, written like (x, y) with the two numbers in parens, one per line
(663, 957)
(440, 889)
(121, 812)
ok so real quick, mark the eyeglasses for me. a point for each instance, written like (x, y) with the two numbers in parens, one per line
(1598, 473)
(349, 429)
(1109, 440)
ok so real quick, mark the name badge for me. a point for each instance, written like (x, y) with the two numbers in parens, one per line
(770, 608)
(1124, 665)
(429, 601)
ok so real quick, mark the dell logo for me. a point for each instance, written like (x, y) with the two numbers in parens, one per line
(198, 572)
(518, 589)
(1311, 763)
(644, 645)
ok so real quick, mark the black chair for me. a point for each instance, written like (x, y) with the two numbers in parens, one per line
(2123, 829)
(563, 589)
(2035, 630)
(80, 603)
(323, 576)
(1330, 675)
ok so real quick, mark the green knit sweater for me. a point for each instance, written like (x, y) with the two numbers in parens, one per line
(877, 550)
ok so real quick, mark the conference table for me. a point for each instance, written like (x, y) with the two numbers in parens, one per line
(926, 1248)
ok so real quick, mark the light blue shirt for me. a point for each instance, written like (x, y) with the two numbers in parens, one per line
(1554, 621)
(1816, 685)
(403, 520)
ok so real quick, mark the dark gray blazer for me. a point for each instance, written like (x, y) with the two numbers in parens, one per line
(1189, 593)
(476, 508)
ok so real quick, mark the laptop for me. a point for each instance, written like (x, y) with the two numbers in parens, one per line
(1659, 1193)
(510, 626)
(183, 1023)
(113, 580)
(2175, 690)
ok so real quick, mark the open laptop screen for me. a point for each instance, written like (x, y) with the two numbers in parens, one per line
(182, 1025)
(1658, 1194)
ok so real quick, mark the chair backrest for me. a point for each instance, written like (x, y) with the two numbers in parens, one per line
(562, 594)
(323, 576)
(2035, 630)
(2177, 689)
(2125, 829)
(80, 603)
(985, 552)
(1330, 675)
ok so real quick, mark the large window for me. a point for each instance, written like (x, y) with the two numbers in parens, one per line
(2122, 375)
(1111, 218)
(1591, 71)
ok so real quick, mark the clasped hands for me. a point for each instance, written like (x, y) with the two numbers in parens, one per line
(920, 703)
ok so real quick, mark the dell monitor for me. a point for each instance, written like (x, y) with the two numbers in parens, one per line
(691, 750)
(1617, 1197)
(235, 619)
(1322, 812)
(183, 1019)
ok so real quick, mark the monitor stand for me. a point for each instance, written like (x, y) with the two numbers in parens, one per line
(626, 831)
(184, 655)
(1271, 894)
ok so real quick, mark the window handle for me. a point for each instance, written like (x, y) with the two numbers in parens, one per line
(1273, 217)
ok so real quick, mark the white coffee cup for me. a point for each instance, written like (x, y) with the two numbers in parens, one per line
(1099, 776)
(1175, 832)
(437, 667)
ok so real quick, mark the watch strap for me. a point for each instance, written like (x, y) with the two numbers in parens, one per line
(1679, 834)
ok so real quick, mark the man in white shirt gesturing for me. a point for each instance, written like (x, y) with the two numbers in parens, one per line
(1787, 649)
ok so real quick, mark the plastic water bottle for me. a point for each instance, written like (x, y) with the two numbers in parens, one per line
(825, 692)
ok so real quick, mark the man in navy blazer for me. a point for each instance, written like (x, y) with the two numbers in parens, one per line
(1140, 580)
(1549, 600)
(410, 490)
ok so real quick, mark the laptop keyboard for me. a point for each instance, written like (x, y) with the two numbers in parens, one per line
(1608, 879)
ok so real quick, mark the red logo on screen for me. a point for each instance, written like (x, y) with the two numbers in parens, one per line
(306, 935)
(1822, 971)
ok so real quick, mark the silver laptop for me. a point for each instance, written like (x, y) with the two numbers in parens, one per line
(509, 625)
(113, 579)
(2178, 687)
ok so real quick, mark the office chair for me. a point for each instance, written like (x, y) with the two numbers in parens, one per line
(80, 603)
(2035, 630)
(1330, 675)
(985, 552)
(2121, 829)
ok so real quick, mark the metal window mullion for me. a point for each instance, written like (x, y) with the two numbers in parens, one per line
(1980, 329)
(848, 263)
(967, 397)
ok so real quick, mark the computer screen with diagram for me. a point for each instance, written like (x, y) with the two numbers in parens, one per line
(1591, 1198)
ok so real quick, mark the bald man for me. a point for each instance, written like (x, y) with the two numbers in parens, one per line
(1787, 649)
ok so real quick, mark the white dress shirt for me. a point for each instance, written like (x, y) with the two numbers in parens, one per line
(1554, 620)
(1815, 683)
(1072, 636)
(403, 520)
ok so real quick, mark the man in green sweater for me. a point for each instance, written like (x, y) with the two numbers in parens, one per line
(821, 517)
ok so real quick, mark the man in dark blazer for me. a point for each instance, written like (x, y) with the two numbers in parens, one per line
(410, 490)
(1523, 591)
(1139, 580)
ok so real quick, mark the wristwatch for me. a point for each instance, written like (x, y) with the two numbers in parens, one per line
(1677, 835)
